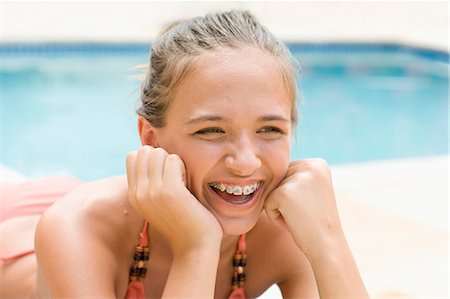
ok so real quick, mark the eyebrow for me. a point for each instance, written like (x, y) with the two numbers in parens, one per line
(212, 117)
(272, 117)
(206, 118)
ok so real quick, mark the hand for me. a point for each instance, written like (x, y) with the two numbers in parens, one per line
(157, 190)
(304, 203)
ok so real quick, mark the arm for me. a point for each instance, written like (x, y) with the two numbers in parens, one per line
(336, 272)
(305, 204)
(193, 274)
(193, 234)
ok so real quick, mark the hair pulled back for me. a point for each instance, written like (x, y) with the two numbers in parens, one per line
(174, 53)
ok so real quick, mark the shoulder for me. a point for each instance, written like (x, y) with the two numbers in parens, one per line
(91, 230)
(275, 250)
(98, 208)
(97, 226)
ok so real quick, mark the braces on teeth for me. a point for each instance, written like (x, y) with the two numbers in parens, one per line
(236, 190)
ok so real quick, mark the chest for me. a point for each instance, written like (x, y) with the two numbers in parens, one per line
(257, 278)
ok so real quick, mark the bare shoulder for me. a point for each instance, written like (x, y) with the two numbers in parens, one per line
(99, 206)
(98, 228)
(275, 249)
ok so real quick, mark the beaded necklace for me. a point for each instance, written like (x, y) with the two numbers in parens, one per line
(138, 270)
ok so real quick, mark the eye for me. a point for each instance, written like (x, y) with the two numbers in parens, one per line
(212, 133)
(207, 131)
(271, 130)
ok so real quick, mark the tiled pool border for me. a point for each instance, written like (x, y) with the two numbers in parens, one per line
(93, 47)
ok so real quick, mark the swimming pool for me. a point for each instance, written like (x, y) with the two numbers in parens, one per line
(69, 108)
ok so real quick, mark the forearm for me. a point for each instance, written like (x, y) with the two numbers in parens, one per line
(336, 273)
(193, 274)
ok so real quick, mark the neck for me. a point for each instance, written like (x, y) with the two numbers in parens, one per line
(229, 244)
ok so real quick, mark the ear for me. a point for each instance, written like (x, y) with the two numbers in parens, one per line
(147, 132)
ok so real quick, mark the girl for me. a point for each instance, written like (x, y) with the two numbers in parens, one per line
(211, 205)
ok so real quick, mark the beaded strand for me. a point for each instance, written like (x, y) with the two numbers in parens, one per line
(138, 270)
(239, 263)
(141, 255)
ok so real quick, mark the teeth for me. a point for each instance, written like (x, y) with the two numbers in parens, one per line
(236, 190)
(230, 189)
(246, 190)
(222, 187)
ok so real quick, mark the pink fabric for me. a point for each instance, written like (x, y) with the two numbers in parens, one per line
(238, 293)
(33, 197)
(135, 290)
(143, 236)
(16, 256)
(242, 245)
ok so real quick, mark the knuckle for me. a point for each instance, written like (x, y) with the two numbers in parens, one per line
(145, 149)
(131, 156)
(317, 162)
(319, 166)
(173, 158)
(159, 151)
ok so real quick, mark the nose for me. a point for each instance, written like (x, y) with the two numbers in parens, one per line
(243, 159)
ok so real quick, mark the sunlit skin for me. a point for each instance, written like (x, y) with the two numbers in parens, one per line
(229, 121)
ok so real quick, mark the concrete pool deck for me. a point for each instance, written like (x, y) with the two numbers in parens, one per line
(415, 23)
(395, 213)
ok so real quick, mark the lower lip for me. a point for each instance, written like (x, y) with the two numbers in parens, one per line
(242, 204)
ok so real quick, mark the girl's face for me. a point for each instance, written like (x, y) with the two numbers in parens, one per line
(229, 121)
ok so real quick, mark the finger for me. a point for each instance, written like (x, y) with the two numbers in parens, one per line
(274, 213)
(294, 167)
(142, 162)
(131, 169)
(131, 178)
(141, 189)
(156, 167)
(174, 170)
(271, 209)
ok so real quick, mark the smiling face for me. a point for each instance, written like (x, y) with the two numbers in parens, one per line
(229, 121)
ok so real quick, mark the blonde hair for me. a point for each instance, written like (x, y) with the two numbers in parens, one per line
(174, 53)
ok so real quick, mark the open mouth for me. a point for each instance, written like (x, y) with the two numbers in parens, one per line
(235, 194)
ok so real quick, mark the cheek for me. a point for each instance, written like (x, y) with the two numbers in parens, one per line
(277, 159)
(198, 162)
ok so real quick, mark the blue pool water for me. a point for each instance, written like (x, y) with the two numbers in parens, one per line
(69, 109)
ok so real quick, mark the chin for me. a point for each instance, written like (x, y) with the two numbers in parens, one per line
(238, 226)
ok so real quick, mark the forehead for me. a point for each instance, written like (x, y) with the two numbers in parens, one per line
(232, 78)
